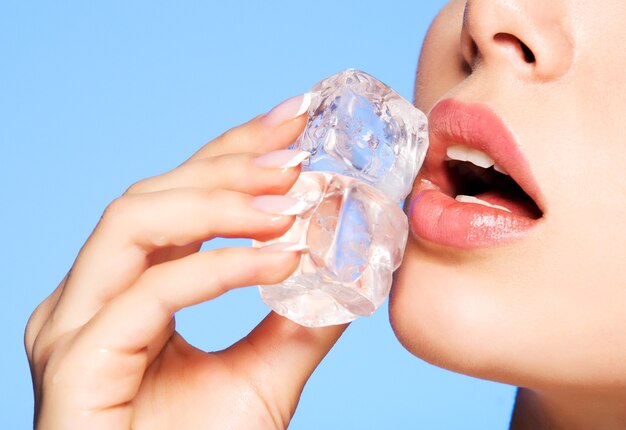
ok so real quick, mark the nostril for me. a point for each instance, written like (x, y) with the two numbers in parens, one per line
(509, 39)
(529, 57)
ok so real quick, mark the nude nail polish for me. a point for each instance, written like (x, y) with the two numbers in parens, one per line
(278, 205)
(284, 246)
(282, 159)
(289, 109)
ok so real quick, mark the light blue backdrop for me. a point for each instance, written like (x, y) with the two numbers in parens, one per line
(95, 95)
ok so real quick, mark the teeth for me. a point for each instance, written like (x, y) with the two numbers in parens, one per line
(457, 152)
(497, 168)
(479, 158)
(471, 199)
(474, 156)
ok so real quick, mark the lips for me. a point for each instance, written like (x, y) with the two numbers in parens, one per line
(492, 207)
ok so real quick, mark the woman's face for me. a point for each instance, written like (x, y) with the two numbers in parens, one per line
(535, 297)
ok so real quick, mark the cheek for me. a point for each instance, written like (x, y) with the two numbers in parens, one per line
(441, 65)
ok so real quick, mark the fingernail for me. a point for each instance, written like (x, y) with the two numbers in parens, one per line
(289, 109)
(284, 246)
(282, 159)
(278, 205)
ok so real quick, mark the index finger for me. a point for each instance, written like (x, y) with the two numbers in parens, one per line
(276, 129)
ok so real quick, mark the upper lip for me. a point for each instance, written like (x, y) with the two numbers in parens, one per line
(475, 126)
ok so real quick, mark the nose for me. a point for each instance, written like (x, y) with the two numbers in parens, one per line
(530, 37)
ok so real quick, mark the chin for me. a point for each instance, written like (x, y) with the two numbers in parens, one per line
(444, 315)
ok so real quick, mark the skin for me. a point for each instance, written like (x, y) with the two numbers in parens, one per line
(544, 313)
(103, 348)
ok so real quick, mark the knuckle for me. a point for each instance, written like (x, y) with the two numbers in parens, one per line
(36, 325)
(237, 160)
(151, 274)
(45, 345)
(32, 331)
(117, 210)
(284, 267)
(138, 187)
(229, 136)
(216, 195)
(239, 135)
(40, 319)
(256, 272)
(215, 256)
(213, 168)
(216, 259)
(210, 163)
(40, 349)
(249, 157)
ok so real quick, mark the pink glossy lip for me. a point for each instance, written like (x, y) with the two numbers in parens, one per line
(434, 214)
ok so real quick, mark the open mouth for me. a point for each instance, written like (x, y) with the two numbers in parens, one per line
(474, 178)
(475, 188)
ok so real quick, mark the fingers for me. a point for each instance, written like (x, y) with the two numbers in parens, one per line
(182, 216)
(270, 173)
(143, 215)
(118, 250)
(134, 318)
(103, 365)
(109, 264)
(274, 130)
(133, 226)
(39, 317)
(287, 354)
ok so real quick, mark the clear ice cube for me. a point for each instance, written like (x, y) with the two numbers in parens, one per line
(367, 144)
(360, 127)
(356, 238)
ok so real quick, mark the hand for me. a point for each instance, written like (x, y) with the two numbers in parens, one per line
(103, 349)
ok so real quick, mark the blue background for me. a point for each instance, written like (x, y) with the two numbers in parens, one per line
(96, 95)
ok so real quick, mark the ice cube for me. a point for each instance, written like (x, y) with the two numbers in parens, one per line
(356, 237)
(367, 144)
(360, 127)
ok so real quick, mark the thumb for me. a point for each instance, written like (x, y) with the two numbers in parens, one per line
(284, 355)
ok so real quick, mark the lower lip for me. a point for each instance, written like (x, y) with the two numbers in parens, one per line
(438, 218)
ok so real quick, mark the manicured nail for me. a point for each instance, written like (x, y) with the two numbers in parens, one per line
(284, 246)
(278, 205)
(282, 159)
(289, 109)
